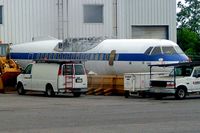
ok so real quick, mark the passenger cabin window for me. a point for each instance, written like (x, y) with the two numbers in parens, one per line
(28, 69)
(79, 70)
(67, 69)
(168, 50)
(156, 51)
(148, 51)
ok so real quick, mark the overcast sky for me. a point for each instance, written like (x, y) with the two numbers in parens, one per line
(177, 2)
(180, 0)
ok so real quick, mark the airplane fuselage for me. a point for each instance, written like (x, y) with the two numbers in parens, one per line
(114, 56)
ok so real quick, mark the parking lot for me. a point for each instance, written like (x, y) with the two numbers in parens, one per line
(35, 113)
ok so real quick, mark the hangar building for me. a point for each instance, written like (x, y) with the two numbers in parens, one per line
(22, 20)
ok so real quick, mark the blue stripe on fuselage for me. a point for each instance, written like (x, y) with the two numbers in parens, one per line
(98, 56)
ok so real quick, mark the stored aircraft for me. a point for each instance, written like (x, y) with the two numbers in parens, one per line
(110, 56)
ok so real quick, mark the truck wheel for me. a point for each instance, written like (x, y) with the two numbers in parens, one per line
(77, 94)
(143, 94)
(158, 96)
(49, 91)
(180, 93)
(20, 89)
(126, 94)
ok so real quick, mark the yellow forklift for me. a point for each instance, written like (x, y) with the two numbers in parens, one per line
(9, 69)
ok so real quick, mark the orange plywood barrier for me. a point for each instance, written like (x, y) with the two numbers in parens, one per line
(105, 85)
(94, 82)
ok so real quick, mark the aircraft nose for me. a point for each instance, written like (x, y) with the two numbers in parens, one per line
(184, 57)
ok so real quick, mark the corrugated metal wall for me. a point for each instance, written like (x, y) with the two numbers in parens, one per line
(24, 19)
(77, 28)
(146, 12)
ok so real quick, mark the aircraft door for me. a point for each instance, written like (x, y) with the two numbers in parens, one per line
(112, 57)
(111, 67)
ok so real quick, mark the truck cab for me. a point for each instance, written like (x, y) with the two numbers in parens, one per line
(183, 80)
(53, 78)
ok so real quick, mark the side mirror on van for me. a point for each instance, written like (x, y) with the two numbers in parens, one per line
(22, 70)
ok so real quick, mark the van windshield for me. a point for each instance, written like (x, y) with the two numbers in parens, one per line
(79, 70)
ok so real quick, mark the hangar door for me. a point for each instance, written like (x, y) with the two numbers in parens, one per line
(150, 32)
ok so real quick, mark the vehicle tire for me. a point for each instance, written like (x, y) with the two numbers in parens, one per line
(143, 94)
(180, 93)
(77, 94)
(126, 94)
(20, 89)
(49, 91)
(158, 96)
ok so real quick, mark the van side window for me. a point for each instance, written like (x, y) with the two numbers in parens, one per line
(68, 69)
(28, 69)
(79, 70)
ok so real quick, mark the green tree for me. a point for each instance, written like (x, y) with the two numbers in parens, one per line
(188, 40)
(188, 33)
(189, 15)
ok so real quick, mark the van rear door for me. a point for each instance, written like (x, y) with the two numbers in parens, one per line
(80, 77)
(65, 76)
(72, 76)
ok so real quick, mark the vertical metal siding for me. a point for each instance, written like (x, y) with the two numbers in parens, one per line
(77, 28)
(146, 12)
(24, 19)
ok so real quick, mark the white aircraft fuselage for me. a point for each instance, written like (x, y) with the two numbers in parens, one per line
(112, 56)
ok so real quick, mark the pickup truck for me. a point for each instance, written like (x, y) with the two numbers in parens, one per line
(183, 80)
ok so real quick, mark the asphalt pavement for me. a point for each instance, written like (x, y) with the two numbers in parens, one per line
(35, 113)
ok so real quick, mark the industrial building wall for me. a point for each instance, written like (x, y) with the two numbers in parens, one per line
(24, 19)
(155, 13)
(75, 22)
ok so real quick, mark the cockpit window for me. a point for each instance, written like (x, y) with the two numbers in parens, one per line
(156, 51)
(168, 50)
(148, 51)
(178, 50)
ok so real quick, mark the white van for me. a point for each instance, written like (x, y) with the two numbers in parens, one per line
(53, 78)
